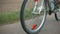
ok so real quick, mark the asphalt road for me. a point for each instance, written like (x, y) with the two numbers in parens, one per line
(51, 27)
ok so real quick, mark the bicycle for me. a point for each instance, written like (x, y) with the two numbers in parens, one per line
(34, 12)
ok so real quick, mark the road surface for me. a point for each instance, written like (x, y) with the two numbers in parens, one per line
(51, 27)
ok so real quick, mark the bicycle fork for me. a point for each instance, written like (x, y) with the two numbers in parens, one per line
(39, 9)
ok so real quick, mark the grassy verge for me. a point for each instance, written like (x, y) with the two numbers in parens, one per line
(5, 18)
(10, 17)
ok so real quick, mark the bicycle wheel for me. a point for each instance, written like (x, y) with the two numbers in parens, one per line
(31, 20)
(57, 14)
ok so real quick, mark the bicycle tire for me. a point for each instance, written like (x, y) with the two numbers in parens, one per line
(23, 22)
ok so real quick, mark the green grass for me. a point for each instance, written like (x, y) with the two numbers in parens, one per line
(28, 13)
(9, 17)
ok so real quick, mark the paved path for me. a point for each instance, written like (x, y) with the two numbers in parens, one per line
(51, 27)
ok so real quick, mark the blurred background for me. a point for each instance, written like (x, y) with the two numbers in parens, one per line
(9, 11)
